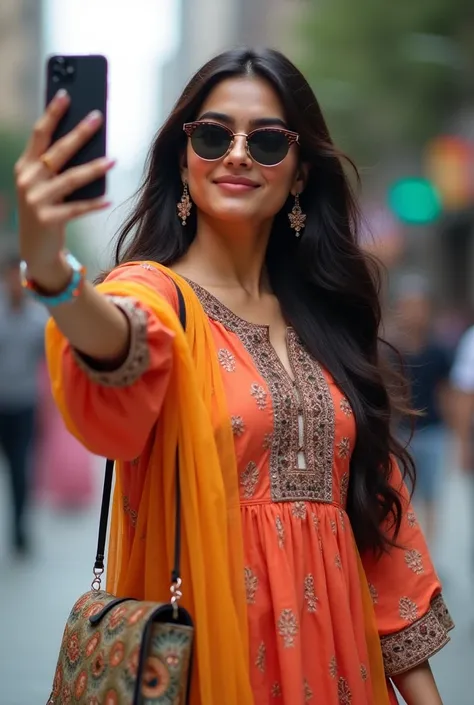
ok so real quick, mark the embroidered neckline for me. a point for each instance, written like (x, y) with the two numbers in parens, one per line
(307, 397)
(211, 303)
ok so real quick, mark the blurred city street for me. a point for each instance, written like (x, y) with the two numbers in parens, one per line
(36, 596)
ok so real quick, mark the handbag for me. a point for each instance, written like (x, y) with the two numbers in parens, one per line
(123, 651)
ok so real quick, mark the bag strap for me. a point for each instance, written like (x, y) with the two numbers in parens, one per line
(105, 506)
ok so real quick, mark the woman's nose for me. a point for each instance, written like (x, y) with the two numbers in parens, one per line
(238, 152)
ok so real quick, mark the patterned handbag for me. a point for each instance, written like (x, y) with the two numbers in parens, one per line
(122, 651)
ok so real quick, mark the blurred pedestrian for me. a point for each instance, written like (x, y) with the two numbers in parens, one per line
(426, 365)
(22, 323)
(462, 380)
(63, 467)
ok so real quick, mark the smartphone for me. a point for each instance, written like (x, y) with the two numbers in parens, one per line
(85, 79)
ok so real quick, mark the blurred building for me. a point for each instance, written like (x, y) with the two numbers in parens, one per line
(20, 51)
(208, 27)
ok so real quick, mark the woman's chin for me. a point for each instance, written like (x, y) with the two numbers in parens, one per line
(235, 213)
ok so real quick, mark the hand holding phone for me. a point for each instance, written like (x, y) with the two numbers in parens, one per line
(85, 80)
(61, 174)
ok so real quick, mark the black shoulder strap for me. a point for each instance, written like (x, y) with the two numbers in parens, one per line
(107, 491)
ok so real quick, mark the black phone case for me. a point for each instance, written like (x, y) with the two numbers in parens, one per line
(87, 88)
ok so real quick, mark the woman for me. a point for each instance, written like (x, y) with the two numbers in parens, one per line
(246, 207)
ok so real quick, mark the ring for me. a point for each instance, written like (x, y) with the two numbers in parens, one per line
(46, 160)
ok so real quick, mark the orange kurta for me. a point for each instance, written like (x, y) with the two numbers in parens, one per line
(293, 441)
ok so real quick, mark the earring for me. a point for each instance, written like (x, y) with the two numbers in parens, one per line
(297, 217)
(184, 206)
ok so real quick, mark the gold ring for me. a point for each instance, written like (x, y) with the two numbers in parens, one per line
(46, 160)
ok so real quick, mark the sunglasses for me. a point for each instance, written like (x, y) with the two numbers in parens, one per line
(268, 146)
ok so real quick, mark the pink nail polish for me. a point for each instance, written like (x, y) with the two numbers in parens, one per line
(94, 116)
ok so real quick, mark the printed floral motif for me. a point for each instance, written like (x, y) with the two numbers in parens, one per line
(344, 448)
(238, 426)
(80, 685)
(344, 488)
(58, 681)
(345, 407)
(261, 656)
(414, 561)
(309, 594)
(111, 698)
(73, 650)
(117, 619)
(333, 526)
(337, 561)
(260, 395)
(315, 519)
(280, 529)
(136, 615)
(333, 667)
(226, 359)
(156, 679)
(251, 585)
(117, 654)
(344, 692)
(364, 674)
(288, 628)
(298, 510)
(276, 690)
(419, 641)
(374, 594)
(249, 479)
(408, 609)
(342, 519)
(411, 519)
(95, 668)
(132, 513)
(307, 692)
(98, 665)
(93, 643)
(267, 441)
(66, 695)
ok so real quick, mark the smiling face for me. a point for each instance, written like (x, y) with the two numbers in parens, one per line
(235, 187)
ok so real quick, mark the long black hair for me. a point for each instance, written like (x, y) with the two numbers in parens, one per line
(327, 287)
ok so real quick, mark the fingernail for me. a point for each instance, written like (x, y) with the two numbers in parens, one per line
(109, 162)
(94, 116)
(62, 93)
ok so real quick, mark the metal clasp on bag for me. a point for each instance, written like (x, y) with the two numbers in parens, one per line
(97, 582)
(176, 595)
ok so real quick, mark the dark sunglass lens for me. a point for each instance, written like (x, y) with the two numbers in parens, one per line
(268, 147)
(210, 141)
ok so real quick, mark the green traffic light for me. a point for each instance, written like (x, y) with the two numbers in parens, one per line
(415, 201)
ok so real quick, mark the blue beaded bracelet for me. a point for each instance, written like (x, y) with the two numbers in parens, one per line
(72, 290)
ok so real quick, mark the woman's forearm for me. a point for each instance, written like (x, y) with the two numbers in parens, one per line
(92, 324)
(418, 687)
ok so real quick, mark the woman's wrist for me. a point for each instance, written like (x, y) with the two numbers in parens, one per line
(52, 278)
(417, 686)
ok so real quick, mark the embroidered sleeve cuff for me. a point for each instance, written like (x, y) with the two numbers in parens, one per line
(138, 357)
(418, 642)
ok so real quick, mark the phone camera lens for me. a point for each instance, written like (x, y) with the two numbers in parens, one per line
(63, 69)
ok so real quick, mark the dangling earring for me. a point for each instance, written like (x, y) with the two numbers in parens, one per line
(297, 217)
(184, 206)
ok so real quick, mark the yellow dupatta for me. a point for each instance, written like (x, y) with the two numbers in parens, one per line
(194, 416)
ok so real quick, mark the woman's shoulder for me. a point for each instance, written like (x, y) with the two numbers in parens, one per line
(143, 272)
